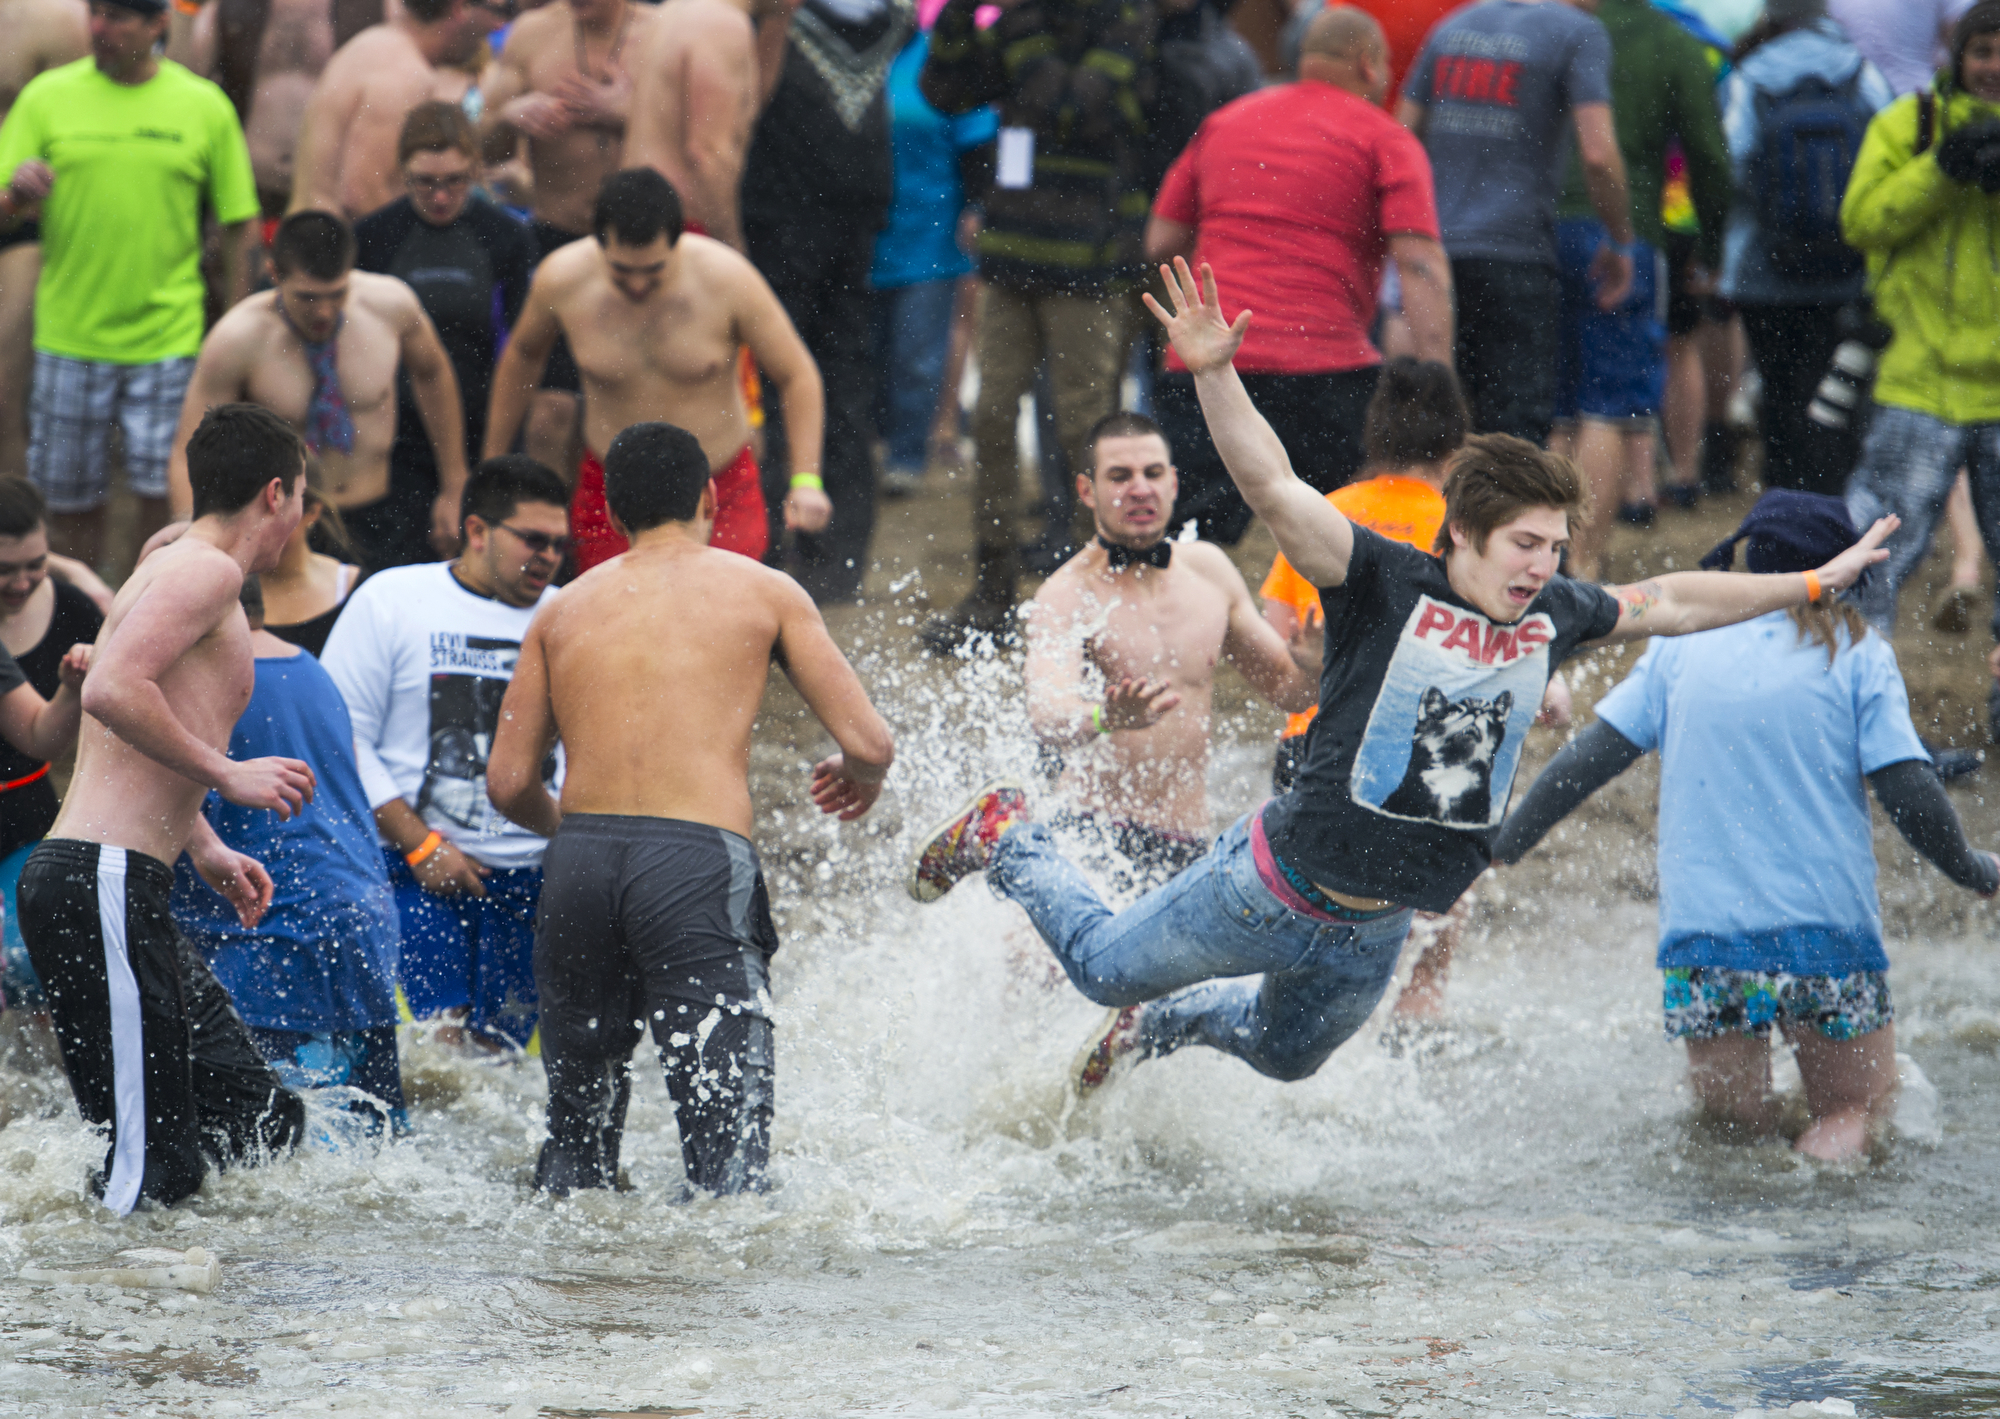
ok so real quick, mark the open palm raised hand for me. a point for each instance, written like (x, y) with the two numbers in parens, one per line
(1201, 337)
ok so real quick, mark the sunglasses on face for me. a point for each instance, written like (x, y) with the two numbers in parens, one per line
(539, 542)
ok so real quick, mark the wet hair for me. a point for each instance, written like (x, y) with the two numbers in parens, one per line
(637, 204)
(235, 452)
(654, 473)
(500, 485)
(429, 12)
(252, 599)
(22, 509)
(1983, 18)
(315, 244)
(1124, 424)
(1780, 18)
(436, 127)
(1494, 478)
(1417, 414)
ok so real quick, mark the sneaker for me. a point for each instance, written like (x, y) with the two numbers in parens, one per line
(962, 844)
(1636, 514)
(1113, 1047)
(901, 482)
(948, 632)
(1685, 497)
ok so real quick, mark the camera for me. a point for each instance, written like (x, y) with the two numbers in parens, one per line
(1850, 375)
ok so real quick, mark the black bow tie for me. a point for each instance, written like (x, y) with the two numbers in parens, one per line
(1157, 555)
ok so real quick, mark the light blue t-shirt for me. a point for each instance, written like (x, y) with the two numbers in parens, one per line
(326, 955)
(920, 243)
(1767, 855)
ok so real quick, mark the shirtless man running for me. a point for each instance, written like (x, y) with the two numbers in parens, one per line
(653, 904)
(345, 160)
(694, 103)
(322, 350)
(40, 35)
(1147, 620)
(150, 1042)
(654, 319)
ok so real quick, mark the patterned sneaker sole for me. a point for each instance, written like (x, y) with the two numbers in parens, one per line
(924, 891)
(1081, 1065)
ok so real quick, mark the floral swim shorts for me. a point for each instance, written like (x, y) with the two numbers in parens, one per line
(1707, 1002)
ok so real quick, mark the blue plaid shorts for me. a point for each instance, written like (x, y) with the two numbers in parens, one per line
(70, 414)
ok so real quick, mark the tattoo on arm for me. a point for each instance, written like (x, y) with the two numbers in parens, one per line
(1636, 600)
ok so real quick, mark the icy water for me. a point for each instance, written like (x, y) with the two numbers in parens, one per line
(1517, 1217)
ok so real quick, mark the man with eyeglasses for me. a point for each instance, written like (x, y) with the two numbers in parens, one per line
(423, 656)
(323, 351)
(469, 263)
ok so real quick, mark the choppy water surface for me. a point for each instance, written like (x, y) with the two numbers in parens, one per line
(1518, 1217)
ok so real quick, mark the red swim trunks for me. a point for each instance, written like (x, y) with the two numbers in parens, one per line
(739, 512)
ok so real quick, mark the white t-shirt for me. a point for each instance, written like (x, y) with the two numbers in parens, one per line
(423, 664)
(1905, 39)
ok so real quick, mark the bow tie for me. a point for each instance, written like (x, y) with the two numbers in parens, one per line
(1157, 555)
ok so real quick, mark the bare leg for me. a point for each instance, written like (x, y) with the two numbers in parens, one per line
(1423, 997)
(79, 535)
(1687, 390)
(1967, 560)
(1600, 457)
(1640, 450)
(19, 268)
(555, 419)
(1731, 1078)
(1848, 1086)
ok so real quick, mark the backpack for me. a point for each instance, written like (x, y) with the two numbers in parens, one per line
(1808, 138)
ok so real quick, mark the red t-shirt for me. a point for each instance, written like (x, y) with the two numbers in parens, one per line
(1406, 24)
(1293, 192)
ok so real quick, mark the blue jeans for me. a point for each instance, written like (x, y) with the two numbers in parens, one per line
(1316, 981)
(475, 953)
(1907, 467)
(912, 338)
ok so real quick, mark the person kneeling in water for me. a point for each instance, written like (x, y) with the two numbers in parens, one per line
(1436, 666)
(1768, 733)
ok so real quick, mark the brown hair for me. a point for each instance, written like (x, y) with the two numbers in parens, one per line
(436, 127)
(1119, 424)
(1821, 621)
(329, 531)
(1416, 416)
(1496, 477)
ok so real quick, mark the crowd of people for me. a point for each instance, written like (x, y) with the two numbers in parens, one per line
(484, 378)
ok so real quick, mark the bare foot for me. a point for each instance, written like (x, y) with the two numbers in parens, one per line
(1838, 1138)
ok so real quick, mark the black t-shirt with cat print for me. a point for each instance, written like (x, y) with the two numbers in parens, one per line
(1423, 707)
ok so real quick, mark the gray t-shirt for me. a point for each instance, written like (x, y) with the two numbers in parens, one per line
(1498, 82)
(11, 676)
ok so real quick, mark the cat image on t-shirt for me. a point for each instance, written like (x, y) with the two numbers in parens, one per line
(1450, 777)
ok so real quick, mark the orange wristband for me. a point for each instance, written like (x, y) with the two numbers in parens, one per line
(1812, 586)
(417, 855)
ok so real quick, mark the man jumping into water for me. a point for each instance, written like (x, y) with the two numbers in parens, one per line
(1435, 667)
(150, 1042)
(1147, 619)
(653, 903)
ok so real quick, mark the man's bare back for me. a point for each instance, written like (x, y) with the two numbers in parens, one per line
(40, 35)
(694, 103)
(345, 160)
(567, 90)
(253, 355)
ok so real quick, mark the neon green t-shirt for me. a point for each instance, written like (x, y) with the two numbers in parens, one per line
(135, 165)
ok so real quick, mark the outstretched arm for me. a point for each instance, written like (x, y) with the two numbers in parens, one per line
(526, 732)
(850, 781)
(1311, 532)
(1915, 801)
(1585, 764)
(1680, 603)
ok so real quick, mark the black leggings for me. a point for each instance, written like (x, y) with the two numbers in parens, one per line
(661, 921)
